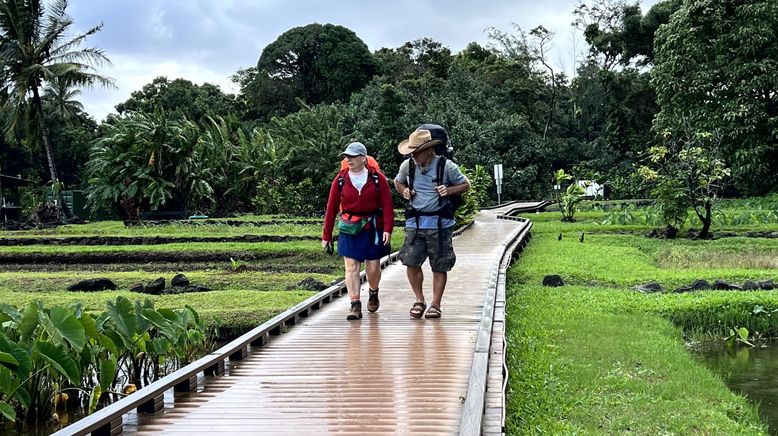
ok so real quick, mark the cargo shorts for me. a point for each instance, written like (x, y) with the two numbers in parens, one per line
(422, 243)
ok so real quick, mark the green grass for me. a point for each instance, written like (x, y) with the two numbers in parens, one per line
(578, 369)
(45, 282)
(238, 302)
(117, 228)
(284, 248)
(595, 357)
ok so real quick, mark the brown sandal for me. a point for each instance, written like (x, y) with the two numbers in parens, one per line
(417, 310)
(433, 312)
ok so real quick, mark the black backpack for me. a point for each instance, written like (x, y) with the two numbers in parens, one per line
(445, 152)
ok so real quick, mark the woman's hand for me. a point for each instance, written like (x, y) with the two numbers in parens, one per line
(324, 244)
(387, 238)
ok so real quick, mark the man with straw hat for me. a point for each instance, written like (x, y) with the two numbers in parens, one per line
(427, 180)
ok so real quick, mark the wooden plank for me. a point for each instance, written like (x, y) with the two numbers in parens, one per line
(240, 354)
(216, 369)
(260, 340)
(110, 428)
(154, 405)
(188, 385)
(474, 402)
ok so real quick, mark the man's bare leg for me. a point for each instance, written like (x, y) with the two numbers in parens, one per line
(439, 280)
(416, 279)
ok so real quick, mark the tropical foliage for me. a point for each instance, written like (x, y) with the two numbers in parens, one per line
(35, 49)
(271, 147)
(59, 354)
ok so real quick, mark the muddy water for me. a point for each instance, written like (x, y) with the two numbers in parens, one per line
(750, 371)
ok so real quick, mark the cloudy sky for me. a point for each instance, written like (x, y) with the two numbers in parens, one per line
(208, 40)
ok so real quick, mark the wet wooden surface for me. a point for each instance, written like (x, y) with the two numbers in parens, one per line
(384, 374)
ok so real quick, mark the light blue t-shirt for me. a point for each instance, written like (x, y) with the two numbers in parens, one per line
(426, 198)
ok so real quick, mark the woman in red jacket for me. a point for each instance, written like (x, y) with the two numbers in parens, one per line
(364, 225)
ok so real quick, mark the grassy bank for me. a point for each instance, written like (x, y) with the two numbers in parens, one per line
(595, 357)
(238, 301)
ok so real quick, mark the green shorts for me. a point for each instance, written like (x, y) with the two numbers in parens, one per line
(426, 244)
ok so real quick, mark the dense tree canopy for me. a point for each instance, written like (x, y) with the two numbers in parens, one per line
(716, 69)
(36, 48)
(318, 63)
(193, 101)
(709, 66)
(618, 33)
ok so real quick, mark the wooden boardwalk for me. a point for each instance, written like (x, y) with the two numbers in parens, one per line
(385, 374)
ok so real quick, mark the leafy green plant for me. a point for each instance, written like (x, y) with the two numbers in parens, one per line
(738, 335)
(45, 352)
(686, 172)
(476, 197)
(570, 198)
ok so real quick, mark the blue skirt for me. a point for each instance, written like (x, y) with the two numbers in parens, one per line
(363, 246)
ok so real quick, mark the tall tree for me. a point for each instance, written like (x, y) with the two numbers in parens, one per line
(62, 98)
(617, 31)
(195, 102)
(35, 48)
(319, 63)
(414, 59)
(715, 69)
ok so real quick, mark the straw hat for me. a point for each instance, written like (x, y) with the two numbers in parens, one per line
(418, 140)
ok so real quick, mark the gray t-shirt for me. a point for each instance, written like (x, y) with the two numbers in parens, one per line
(424, 183)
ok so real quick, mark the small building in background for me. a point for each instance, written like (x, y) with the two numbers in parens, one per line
(10, 207)
(593, 189)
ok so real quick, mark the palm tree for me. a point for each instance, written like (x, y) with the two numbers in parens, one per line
(61, 95)
(35, 48)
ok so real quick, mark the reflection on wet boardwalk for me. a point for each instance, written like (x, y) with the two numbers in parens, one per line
(385, 374)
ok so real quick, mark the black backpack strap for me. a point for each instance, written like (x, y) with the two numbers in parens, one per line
(411, 175)
(341, 181)
(411, 172)
(441, 170)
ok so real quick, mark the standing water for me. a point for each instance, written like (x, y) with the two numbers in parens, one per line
(750, 371)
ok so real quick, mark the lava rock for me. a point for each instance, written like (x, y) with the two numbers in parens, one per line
(197, 288)
(155, 287)
(750, 285)
(179, 280)
(722, 285)
(698, 285)
(767, 285)
(649, 287)
(553, 280)
(138, 287)
(92, 285)
(701, 285)
(309, 284)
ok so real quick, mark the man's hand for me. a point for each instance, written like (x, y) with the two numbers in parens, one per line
(408, 193)
(442, 190)
(387, 238)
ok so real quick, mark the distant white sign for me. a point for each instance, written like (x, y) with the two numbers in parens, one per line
(498, 180)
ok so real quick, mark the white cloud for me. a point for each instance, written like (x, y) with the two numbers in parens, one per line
(207, 41)
(132, 74)
(158, 27)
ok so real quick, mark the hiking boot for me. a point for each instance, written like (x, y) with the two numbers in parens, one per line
(372, 302)
(356, 310)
